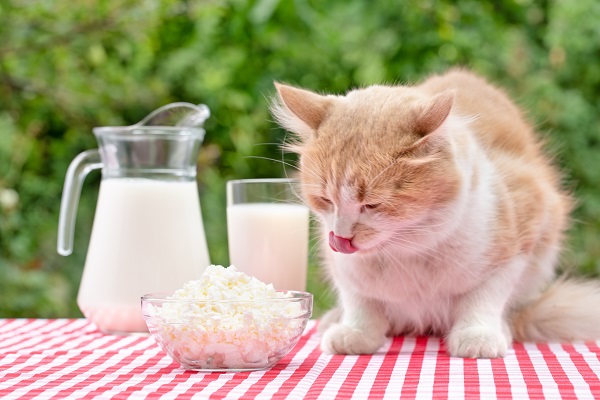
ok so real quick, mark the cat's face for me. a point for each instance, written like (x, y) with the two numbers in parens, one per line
(368, 166)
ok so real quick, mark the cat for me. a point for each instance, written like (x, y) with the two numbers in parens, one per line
(442, 214)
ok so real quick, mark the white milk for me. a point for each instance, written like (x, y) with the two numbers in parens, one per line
(147, 237)
(270, 242)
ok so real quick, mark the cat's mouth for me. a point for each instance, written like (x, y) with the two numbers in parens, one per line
(341, 244)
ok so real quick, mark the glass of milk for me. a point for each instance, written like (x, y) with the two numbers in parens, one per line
(267, 227)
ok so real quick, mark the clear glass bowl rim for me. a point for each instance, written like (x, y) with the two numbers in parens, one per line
(161, 297)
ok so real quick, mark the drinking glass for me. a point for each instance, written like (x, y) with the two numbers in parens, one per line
(267, 228)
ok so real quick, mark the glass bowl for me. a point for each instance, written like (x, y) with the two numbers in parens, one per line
(227, 335)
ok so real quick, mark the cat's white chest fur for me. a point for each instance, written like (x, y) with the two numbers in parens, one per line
(418, 291)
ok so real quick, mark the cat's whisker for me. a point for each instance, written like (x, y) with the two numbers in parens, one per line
(320, 181)
(265, 144)
(396, 264)
(411, 245)
(433, 254)
(274, 160)
(315, 175)
(424, 228)
(373, 180)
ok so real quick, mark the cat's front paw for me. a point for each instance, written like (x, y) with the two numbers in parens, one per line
(477, 341)
(342, 339)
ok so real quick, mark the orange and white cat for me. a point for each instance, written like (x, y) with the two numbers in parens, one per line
(442, 214)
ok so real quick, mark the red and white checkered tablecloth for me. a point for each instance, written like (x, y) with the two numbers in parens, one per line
(70, 358)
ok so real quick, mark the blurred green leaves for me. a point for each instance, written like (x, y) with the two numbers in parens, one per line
(66, 67)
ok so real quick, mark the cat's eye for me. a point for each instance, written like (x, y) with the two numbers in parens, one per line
(369, 207)
(325, 200)
(321, 202)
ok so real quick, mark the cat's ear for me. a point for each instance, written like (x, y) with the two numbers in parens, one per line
(432, 114)
(298, 110)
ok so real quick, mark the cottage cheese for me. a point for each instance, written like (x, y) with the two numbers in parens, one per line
(227, 319)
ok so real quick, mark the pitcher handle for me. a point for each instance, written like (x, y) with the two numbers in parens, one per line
(78, 170)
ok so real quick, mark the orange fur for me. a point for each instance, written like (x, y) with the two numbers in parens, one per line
(448, 217)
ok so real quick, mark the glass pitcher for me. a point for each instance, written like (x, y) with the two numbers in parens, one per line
(148, 234)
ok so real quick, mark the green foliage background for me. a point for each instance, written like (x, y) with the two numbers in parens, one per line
(67, 66)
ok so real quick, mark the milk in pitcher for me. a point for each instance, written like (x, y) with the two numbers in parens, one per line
(136, 218)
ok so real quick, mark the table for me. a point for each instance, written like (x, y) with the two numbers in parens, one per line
(70, 358)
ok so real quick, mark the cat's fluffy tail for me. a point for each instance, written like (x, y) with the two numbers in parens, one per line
(568, 310)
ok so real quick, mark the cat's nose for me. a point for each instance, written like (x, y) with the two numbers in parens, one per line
(341, 244)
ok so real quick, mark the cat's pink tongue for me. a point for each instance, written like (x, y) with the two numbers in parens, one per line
(341, 244)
